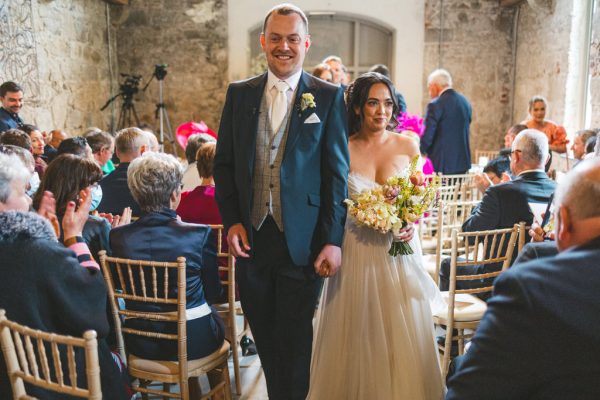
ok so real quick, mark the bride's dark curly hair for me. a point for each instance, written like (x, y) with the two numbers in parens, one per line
(357, 95)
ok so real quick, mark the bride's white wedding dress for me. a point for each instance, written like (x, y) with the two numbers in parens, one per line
(374, 335)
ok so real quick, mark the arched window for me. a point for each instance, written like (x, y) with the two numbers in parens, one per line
(360, 43)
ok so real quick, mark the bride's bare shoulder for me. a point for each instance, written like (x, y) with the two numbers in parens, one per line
(405, 144)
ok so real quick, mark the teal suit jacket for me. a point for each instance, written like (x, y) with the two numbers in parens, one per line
(313, 173)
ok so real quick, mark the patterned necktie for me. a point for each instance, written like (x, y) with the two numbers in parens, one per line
(279, 106)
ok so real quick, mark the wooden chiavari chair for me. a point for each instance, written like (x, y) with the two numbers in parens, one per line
(147, 282)
(36, 358)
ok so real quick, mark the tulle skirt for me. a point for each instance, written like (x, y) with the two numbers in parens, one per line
(374, 334)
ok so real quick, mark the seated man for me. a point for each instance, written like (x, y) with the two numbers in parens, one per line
(55, 138)
(496, 171)
(539, 337)
(506, 204)
(130, 143)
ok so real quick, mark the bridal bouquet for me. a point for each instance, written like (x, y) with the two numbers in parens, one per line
(400, 201)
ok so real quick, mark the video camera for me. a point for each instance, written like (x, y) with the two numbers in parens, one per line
(130, 85)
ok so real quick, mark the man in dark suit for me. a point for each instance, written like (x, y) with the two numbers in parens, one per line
(539, 337)
(280, 172)
(447, 120)
(130, 144)
(11, 97)
(508, 203)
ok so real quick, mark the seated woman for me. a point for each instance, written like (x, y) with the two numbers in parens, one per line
(155, 183)
(45, 285)
(65, 177)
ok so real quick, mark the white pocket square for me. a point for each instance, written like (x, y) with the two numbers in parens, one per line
(312, 119)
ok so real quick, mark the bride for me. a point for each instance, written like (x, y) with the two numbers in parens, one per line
(374, 336)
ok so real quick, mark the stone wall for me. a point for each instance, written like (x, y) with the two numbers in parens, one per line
(58, 51)
(188, 35)
(543, 57)
(476, 49)
(595, 69)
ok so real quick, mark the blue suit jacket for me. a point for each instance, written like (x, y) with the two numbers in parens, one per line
(313, 173)
(446, 137)
(539, 336)
(506, 204)
(9, 120)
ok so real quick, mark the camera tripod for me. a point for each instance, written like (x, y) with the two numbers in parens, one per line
(128, 115)
(160, 72)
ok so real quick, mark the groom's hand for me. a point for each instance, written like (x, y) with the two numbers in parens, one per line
(328, 261)
(238, 241)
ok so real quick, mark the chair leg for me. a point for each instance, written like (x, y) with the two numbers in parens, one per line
(195, 391)
(461, 342)
(236, 364)
(447, 351)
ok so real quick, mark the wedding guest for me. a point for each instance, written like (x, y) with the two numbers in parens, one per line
(55, 138)
(65, 178)
(14, 178)
(384, 70)
(556, 134)
(77, 145)
(37, 147)
(11, 97)
(16, 137)
(153, 144)
(103, 147)
(323, 71)
(447, 120)
(336, 65)
(579, 146)
(190, 175)
(55, 288)
(507, 203)
(495, 172)
(130, 144)
(158, 235)
(512, 133)
(540, 304)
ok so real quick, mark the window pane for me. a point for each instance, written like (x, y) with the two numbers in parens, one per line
(330, 36)
(374, 46)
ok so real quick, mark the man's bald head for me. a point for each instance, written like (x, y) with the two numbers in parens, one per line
(577, 206)
(56, 137)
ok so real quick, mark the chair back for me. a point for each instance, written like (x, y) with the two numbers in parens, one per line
(480, 248)
(489, 154)
(451, 215)
(231, 308)
(464, 187)
(148, 282)
(35, 357)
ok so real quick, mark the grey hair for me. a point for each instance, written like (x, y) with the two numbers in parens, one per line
(579, 190)
(535, 99)
(24, 155)
(153, 144)
(11, 169)
(533, 145)
(440, 77)
(152, 178)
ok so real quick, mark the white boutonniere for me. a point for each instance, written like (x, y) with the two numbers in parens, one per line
(307, 101)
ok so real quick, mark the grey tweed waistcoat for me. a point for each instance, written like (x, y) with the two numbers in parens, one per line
(267, 163)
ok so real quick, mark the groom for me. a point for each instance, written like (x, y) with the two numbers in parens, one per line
(280, 173)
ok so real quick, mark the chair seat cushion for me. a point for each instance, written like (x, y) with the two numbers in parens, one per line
(171, 367)
(466, 308)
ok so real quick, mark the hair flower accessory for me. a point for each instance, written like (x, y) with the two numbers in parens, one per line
(307, 101)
